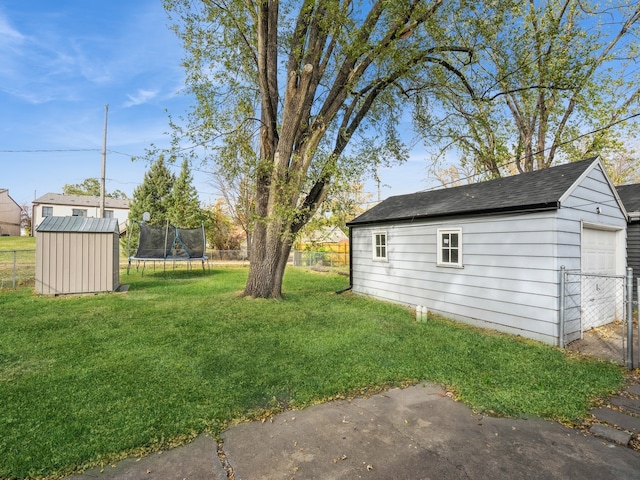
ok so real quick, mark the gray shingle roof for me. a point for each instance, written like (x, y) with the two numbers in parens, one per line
(81, 200)
(630, 196)
(78, 225)
(539, 190)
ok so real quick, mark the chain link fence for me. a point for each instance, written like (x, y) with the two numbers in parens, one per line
(17, 268)
(321, 260)
(588, 301)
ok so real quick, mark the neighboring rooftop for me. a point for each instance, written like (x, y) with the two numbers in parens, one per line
(81, 200)
(630, 196)
(539, 190)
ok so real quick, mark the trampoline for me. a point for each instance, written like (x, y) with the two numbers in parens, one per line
(169, 244)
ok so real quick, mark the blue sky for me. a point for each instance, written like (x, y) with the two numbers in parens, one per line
(61, 62)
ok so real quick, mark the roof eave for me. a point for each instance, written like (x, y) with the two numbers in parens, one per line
(540, 207)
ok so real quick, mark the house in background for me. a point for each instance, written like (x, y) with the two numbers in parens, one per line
(322, 237)
(61, 205)
(328, 239)
(490, 254)
(10, 214)
(630, 196)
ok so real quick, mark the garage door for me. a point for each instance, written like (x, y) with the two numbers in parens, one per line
(602, 293)
(599, 251)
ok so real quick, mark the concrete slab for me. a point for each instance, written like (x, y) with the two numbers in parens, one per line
(634, 390)
(629, 404)
(417, 433)
(195, 461)
(611, 434)
(622, 420)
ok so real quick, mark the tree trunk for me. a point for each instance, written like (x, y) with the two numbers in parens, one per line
(269, 257)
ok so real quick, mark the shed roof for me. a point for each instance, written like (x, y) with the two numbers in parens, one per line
(78, 225)
(81, 200)
(630, 196)
(532, 191)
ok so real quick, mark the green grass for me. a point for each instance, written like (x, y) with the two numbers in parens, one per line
(17, 243)
(89, 379)
(17, 261)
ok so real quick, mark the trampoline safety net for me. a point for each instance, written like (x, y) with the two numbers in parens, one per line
(170, 243)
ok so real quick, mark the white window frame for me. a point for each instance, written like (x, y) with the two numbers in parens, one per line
(79, 212)
(379, 252)
(47, 211)
(441, 247)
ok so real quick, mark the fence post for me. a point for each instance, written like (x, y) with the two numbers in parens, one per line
(15, 268)
(629, 318)
(561, 307)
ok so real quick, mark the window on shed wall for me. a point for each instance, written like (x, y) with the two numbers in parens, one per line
(47, 211)
(379, 245)
(77, 212)
(450, 247)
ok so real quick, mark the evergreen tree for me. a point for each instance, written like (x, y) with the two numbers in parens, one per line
(153, 195)
(184, 206)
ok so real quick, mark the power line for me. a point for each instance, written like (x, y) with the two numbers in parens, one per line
(62, 150)
(513, 162)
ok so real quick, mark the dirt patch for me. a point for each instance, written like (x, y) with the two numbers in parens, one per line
(605, 342)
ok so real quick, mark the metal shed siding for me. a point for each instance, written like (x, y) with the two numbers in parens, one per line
(510, 275)
(77, 256)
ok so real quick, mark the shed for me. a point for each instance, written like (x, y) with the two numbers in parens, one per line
(490, 253)
(77, 255)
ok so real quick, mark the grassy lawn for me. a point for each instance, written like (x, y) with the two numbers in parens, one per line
(17, 261)
(88, 379)
(17, 243)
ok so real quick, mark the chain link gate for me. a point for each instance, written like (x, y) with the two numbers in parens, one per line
(591, 300)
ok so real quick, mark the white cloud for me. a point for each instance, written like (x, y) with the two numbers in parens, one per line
(8, 34)
(140, 97)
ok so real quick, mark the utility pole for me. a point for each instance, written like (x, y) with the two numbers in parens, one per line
(104, 162)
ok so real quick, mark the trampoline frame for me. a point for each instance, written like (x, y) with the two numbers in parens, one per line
(167, 248)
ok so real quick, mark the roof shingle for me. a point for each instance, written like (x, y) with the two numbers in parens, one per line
(538, 190)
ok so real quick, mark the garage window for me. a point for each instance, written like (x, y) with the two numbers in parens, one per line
(379, 244)
(450, 247)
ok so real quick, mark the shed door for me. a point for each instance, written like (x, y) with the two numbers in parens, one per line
(602, 300)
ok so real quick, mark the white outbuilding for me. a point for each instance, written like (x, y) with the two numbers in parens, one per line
(492, 253)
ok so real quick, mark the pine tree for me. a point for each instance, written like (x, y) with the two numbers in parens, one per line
(184, 206)
(153, 195)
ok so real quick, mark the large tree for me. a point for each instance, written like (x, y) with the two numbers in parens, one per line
(324, 72)
(91, 187)
(551, 83)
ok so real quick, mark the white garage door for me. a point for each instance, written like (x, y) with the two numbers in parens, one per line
(599, 251)
(602, 295)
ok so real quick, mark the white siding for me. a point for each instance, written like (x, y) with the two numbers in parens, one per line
(120, 214)
(508, 279)
(510, 275)
(590, 204)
